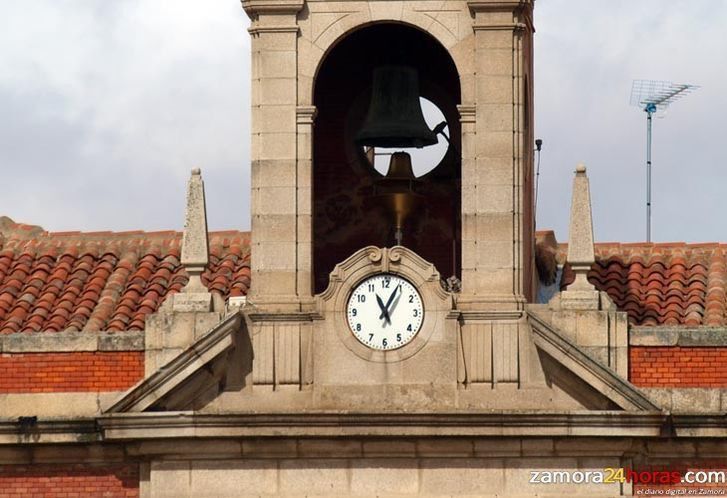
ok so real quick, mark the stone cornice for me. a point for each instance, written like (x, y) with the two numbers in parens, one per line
(175, 425)
(256, 7)
(498, 5)
(56, 342)
(155, 425)
(45, 431)
(678, 336)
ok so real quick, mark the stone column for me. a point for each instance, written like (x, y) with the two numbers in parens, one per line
(275, 251)
(495, 171)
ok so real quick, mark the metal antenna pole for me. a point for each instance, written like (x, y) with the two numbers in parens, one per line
(650, 109)
(653, 96)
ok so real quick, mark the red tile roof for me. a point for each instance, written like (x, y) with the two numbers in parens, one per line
(661, 284)
(103, 280)
(52, 281)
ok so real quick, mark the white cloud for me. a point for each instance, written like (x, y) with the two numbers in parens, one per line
(105, 106)
(143, 91)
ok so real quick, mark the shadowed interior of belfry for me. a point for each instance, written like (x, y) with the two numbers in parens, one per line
(349, 208)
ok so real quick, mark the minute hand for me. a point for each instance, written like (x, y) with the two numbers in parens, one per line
(388, 303)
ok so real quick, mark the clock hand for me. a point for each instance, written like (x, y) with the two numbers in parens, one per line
(384, 311)
(391, 300)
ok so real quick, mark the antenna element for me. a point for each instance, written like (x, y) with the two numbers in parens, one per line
(653, 96)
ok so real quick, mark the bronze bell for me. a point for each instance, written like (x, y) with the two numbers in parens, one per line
(395, 117)
(397, 190)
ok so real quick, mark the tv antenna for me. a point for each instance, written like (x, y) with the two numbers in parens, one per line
(654, 96)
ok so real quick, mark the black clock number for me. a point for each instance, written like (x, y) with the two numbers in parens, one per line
(361, 298)
(358, 327)
(354, 312)
(372, 288)
(398, 337)
(371, 337)
(386, 283)
(408, 328)
(416, 312)
(411, 298)
(384, 342)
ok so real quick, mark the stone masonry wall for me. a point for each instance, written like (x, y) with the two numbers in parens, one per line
(678, 366)
(86, 371)
(56, 481)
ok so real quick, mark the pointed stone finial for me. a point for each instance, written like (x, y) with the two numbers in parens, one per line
(195, 249)
(581, 294)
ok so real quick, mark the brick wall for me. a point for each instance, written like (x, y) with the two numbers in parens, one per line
(675, 366)
(68, 481)
(70, 372)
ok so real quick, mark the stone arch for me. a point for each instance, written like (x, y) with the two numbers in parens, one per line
(316, 46)
(344, 218)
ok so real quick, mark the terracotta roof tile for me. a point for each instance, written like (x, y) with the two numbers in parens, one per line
(103, 280)
(661, 284)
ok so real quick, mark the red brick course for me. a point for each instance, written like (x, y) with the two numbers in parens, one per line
(68, 481)
(674, 366)
(70, 372)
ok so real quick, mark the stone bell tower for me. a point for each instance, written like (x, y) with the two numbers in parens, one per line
(475, 61)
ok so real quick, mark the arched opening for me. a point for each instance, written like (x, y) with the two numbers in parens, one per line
(347, 215)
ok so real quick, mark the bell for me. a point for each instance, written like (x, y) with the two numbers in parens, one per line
(395, 117)
(397, 190)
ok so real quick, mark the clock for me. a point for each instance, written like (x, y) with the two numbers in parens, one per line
(385, 312)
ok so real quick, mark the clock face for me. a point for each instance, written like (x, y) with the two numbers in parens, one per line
(385, 312)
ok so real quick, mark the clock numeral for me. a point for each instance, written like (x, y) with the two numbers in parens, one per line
(354, 312)
(398, 337)
(358, 327)
(361, 298)
(384, 342)
(416, 312)
(371, 337)
(408, 328)
(372, 288)
(411, 298)
(386, 283)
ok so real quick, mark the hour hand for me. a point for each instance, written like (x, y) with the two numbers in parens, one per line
(384, 311)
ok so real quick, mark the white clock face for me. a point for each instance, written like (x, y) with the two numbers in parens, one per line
(385, 312)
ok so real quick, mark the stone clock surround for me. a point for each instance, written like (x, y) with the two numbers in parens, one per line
(373, 261)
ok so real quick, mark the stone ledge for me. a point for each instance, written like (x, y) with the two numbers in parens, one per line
(678, 336)
(690, 400)
(60, 342)
(165, 425)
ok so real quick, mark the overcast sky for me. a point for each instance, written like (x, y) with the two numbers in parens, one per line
(106, 106)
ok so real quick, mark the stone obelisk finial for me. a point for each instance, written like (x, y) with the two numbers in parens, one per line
(195, 249)
(581, 294)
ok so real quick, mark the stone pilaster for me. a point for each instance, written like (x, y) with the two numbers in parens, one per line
(495, 161)
(275, 177)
